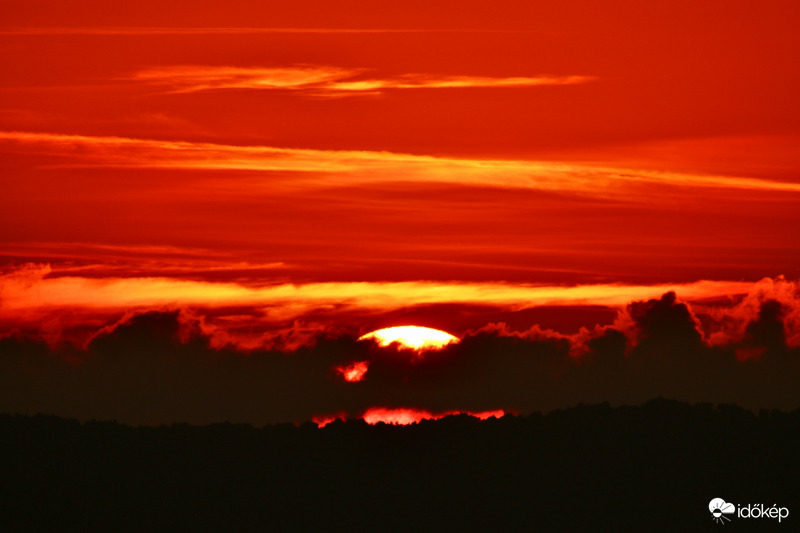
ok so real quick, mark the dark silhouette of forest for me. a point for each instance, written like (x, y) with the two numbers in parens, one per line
(653, 467)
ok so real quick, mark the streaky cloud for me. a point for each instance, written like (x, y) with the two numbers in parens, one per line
(229, 30)
(419, 81)
(30, 290)
(314, 168)
(187, 78)
(324, 80)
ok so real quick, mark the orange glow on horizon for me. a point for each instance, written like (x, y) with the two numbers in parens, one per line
(405, 416)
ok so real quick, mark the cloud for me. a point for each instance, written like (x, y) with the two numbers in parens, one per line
(23, 278)
(769, 302)
(324, 80)
(767, 330)
(30, 293)
(420, 81)
(295, 169)
(200, 78)
(97, 260)
(757, 318)
(665, 324)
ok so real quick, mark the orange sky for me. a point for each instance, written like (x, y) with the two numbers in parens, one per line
(434, 154)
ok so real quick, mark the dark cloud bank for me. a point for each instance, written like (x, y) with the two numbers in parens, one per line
(159, 367)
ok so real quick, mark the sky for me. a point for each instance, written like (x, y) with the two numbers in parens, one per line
(260, 181)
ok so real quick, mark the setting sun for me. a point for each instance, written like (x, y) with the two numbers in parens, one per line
(414, 337)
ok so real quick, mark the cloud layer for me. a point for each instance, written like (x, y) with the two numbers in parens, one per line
(30, 295)
(164, 366)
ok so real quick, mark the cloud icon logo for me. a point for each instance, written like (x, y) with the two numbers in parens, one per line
(719, 508)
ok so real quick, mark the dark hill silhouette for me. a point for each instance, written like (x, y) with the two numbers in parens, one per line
(653, 467)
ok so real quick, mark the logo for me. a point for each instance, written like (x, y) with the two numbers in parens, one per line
(720, 508)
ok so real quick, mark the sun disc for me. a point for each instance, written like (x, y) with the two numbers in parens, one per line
(414, 337)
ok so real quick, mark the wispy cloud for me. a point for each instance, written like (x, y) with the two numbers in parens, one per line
(109, 260)
(325, 80)
(229, 30)
(421, 81)
(193, 79)
(297, 169)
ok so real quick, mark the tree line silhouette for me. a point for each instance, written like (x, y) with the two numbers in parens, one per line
(652, 467)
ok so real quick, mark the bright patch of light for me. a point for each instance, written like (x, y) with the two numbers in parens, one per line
(404, 415)
(401, 416)
(354, 372)
(414, 337)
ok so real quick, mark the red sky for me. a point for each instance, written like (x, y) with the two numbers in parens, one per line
(355, 165)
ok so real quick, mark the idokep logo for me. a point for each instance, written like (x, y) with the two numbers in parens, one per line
(719, 508)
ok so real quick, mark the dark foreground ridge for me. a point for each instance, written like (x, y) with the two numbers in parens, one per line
(587, 468)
